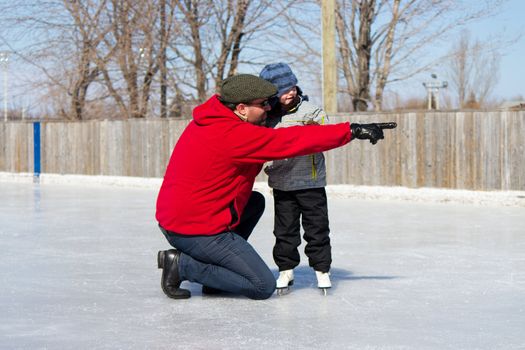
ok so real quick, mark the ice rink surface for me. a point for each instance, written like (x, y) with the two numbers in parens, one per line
(78, 271)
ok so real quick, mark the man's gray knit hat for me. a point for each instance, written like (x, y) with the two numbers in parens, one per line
(245, 88)
(281, 75)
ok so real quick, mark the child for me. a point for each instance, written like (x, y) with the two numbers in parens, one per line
(298, 186)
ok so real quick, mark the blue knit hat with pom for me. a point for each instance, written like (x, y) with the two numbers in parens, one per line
(280, 75)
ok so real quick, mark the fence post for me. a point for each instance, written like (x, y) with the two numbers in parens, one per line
(36, 151)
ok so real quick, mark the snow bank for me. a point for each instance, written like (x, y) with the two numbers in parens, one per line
(436, 195)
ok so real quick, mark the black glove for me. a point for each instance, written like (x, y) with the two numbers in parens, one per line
(372, 132)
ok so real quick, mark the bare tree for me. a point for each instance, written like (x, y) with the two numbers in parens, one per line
(134, 51)
(114, 50)
(116, 46)
(356, 68)
(89, 33)
(231, 35)
(214, 37)
(473, 71)
(119, 52)
(130, 42)
(56, 48)
(383, 41)
(195, 18)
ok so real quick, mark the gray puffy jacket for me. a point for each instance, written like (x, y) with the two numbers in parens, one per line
(301, 172)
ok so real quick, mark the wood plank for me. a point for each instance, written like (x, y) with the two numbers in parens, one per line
(464, 150)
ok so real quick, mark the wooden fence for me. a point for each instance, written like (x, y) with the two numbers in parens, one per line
(457, 150)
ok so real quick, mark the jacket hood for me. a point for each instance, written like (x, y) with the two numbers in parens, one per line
(211, 111)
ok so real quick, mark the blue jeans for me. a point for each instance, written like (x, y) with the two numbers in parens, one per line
(226, 261)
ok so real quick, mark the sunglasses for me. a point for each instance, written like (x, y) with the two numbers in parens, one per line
(262, 104)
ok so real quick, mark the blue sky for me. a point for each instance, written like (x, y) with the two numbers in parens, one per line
(512, 71)
(512, 81)
(507, 23)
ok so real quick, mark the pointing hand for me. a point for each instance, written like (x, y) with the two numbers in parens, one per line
(372, 132)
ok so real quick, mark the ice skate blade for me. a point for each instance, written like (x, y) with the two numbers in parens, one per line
(283, 291)
(324, 291)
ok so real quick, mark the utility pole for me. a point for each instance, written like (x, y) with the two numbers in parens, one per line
(329, 57)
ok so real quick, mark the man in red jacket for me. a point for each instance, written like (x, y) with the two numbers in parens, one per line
(206, 207)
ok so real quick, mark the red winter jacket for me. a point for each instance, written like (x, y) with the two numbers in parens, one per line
(216, 159)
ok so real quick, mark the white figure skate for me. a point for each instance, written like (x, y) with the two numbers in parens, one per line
(284, 282)
(323, 281)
